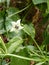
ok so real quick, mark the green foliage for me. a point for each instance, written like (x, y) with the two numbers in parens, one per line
(20, 61)
(2, 46)
(29, 29)
(21, 47)
(13, 44)
(39, 1)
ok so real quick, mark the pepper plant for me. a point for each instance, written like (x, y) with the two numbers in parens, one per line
(20, 46)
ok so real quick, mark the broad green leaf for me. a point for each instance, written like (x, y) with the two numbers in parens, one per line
(39, 1)
(29, 29)
(13, 44)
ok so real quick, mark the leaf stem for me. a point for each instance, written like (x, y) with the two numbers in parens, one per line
(38, 46)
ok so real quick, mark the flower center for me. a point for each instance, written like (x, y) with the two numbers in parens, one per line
(16, 27)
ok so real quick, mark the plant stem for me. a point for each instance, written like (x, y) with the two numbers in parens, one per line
(38, 46)
(4, 16)
(20, 11)
(20, 57)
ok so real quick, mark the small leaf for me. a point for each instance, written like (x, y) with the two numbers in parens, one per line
(30, 47)
(29, 29)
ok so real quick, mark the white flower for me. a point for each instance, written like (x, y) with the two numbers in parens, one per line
(16, 26)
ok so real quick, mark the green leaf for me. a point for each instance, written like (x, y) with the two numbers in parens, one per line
(13, 44)
(21, 47)
(2, 45)
(30, 47)
(40, 63)
(29, 29)
(39, 1)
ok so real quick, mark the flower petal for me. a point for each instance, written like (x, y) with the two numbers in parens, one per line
(13, 29)
(18, 22)
(13, 24)
(20, 28)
